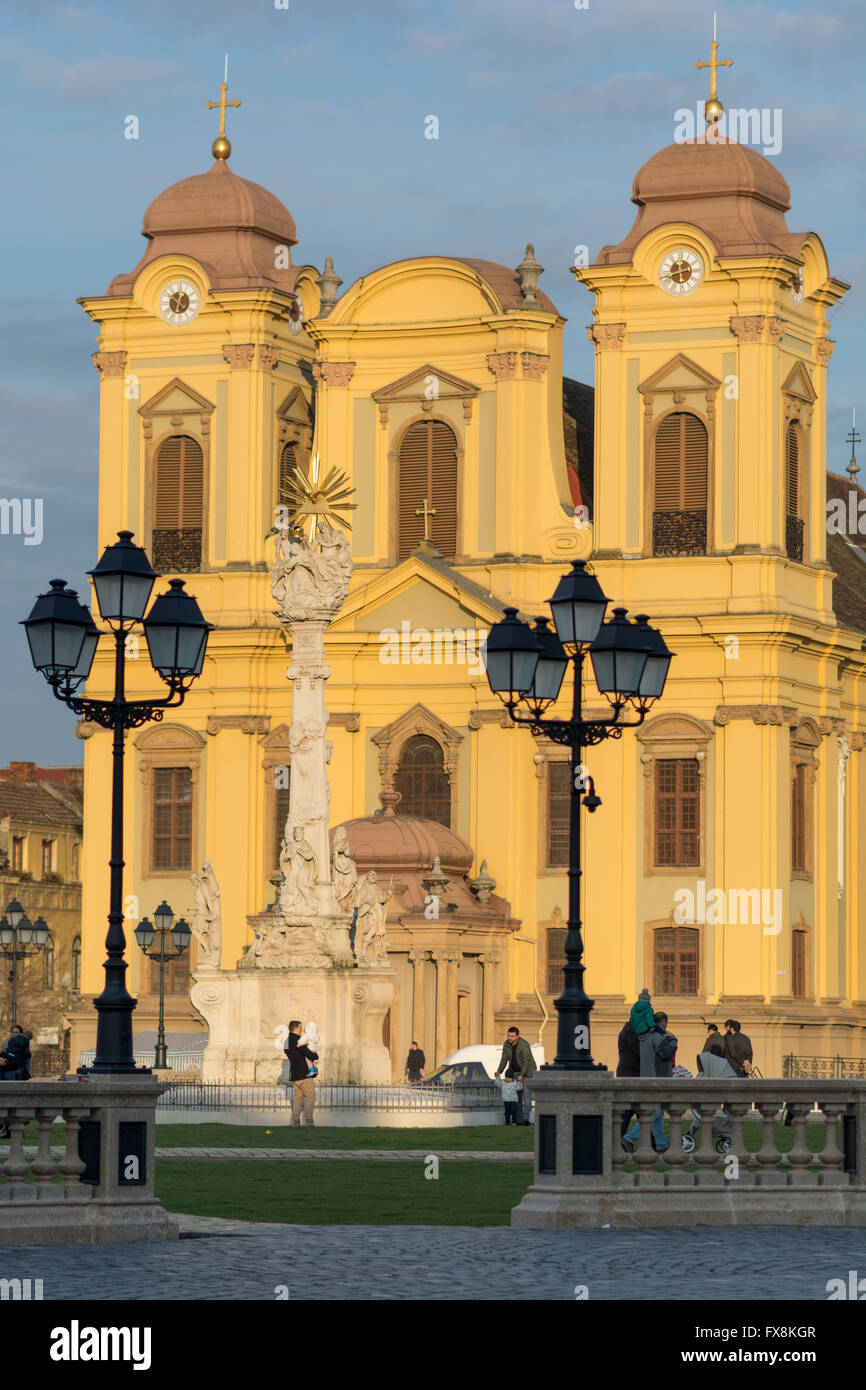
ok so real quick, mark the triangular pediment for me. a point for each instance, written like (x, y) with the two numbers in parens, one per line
(296, 408)
(798, 383)
(277, 738)
(418, 385)
(418, 594)
(680, 374)
(176, 399)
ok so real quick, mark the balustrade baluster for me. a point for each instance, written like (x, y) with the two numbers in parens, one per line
(70, 1165)
(645, 1155)
(44, 1166)
(705, 1155)
(832, 1156)
(16, 1168)
(798, 1155)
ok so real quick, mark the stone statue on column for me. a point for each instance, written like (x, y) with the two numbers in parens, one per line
(371, 946)
(206, 924)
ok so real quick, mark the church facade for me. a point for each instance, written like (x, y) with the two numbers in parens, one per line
(722, 869)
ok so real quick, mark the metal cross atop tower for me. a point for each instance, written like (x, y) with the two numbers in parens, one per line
(221, 148)
(713, 109)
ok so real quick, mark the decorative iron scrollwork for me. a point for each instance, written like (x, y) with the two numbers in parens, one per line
(680, 533)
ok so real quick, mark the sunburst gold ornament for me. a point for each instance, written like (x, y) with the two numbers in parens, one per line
(313, 496)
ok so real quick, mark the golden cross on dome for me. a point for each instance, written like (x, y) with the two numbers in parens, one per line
(425, 511)
(221, 148)
(713, 108)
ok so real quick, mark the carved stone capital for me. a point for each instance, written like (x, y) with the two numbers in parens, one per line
(110, 363)
(419, 957)
(856, 742)
(478, 717)
(534, 365)
(239, 355)
(747, 328)
(824, 348)
(608, 336)
(247, 723)
(269, 356)
(831, 724)
(345, 719)
(503, 365)
(775, 328)
(86, 728)
(383, 414)
(759, 714)
(333, 373)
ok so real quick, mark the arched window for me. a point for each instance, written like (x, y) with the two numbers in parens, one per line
(178, 505)
(287, 471)
(76, 965)
(680, 470)
(422, 781)
(48, 964)
(427, 484)
(793, 499)
(676, 960)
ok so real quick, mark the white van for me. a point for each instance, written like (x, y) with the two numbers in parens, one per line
(477, 1064)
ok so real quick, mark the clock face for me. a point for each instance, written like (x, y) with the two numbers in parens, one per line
(179, 302)
(681, 271)
(296, 317)
(798, 289)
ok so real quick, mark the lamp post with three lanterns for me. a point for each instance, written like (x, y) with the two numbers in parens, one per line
(63, 641)
(526, 668)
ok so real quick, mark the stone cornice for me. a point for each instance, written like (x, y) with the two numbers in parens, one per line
(247, 723)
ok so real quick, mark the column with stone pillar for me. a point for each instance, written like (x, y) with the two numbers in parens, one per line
(489, 961)
(420, 961)
(309, 793)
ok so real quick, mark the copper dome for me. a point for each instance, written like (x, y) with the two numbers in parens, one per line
(231, 226)
(728, 190)
(406, 844)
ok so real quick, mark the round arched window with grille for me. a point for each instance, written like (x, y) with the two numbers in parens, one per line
(423, 783)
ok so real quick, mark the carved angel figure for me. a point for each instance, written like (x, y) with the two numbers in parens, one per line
(344, 871)
(206, 924)
(371, 948)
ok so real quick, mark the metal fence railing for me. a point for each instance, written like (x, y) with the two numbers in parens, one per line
(218, 1095)
(177, 1061)
(823, 1068)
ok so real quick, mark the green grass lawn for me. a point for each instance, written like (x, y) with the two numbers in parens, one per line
(366, 1193)
(508, 1138)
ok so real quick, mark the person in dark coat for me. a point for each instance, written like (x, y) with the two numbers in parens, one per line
(15, 1057)
(303, 1085)
(628, 1044)
(738, 1048)
(415, 1064)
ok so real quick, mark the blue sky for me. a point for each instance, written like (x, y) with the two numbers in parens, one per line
(545, 114)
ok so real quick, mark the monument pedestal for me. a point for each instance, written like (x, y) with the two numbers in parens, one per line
(248, 1011)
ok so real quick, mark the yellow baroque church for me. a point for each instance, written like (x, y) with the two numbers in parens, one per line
(723, 869)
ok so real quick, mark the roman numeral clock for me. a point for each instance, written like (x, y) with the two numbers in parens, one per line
(179, 302)
(681, 271)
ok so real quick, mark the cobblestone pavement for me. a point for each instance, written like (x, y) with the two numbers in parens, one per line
(224, 1260)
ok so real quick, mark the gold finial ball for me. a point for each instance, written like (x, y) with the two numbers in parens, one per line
(713, 111)
(221, 147)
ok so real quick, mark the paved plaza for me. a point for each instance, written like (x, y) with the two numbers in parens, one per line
(220, 1259)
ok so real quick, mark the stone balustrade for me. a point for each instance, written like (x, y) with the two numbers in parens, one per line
(584, 1178)
(100, 1188)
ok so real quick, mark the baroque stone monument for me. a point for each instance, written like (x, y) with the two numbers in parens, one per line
(300, 963)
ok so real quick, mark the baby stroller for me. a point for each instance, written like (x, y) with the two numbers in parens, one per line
(721, 1132)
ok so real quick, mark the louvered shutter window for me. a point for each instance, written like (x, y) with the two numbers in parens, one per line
(558, 814)
(178, 505)
(676, 960)
(792, 471)
(681, 463)
(798, 818)
(288, 468)
(427, 469)
(555, 958)
(680, 486)
(798, 964)
(678, 806)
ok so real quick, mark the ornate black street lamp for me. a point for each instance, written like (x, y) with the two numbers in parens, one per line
(63, 640)
(20, 938)
(525, 668)
(180, 936)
